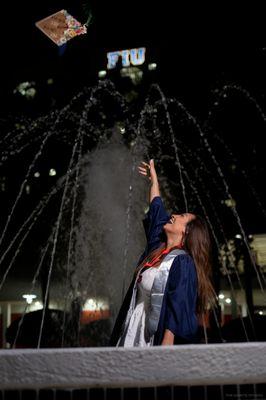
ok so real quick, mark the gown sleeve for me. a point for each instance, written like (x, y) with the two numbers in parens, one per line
(181, 296)
(153, 223)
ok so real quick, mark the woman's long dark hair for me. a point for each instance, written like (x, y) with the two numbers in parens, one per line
(197, 242)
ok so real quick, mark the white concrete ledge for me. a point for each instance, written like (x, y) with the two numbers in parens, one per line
(211, 364)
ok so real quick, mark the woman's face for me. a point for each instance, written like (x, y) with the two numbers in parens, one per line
(177, 223)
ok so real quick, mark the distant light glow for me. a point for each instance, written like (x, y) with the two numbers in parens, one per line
(261, 312)
(152, 66)
(26, 89)
(37, 174)
(228, 300)
(35, 305)
(102, 74)
(230, 203)
(134, 73)
(238, 236)
(52, 172)
(221, 296)
(95, 304)
(3, 183)
(90, 305)
(27, 188)
(29, 297)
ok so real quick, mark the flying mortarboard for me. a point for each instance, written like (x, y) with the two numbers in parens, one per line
(61, 27)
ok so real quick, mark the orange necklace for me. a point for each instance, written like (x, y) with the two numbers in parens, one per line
(154, 260)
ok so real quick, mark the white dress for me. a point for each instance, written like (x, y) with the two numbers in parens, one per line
(135, 334)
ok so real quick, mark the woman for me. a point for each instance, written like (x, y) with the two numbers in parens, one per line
(172, 282)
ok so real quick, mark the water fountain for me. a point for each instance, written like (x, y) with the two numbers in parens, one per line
(86, 225)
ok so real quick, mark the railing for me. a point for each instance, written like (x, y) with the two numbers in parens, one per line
(210, 371)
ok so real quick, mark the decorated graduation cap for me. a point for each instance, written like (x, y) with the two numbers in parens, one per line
(61, 27)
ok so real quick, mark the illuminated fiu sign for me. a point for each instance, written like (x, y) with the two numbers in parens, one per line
(128, 57)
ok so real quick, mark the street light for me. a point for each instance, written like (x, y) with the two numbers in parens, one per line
(29, 297)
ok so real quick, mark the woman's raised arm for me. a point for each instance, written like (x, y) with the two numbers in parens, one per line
(150, 171)
(156, 217)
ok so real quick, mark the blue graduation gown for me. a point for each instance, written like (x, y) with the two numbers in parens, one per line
(178, 311)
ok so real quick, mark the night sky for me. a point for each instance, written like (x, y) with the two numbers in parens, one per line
(197, 48)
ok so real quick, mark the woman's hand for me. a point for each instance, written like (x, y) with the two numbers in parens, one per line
(149, 171)
(168, 338)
